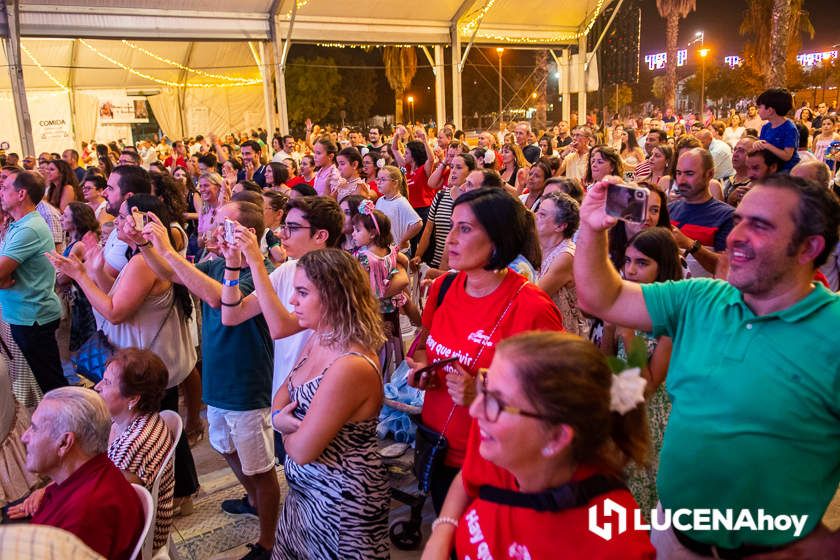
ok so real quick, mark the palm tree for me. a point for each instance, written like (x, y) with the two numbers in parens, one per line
(774, 29)
(400, 67)
(672, 11)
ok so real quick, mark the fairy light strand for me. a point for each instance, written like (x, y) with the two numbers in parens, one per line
(159, 80)
(467, 28)
(46, 72)
(243, 81)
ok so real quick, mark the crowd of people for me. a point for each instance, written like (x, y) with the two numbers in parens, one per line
(569, 357)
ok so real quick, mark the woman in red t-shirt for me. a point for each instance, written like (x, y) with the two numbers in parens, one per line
(307, 172)
(485, 303)
(547, 445)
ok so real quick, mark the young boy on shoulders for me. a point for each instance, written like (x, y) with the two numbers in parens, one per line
(779, 135)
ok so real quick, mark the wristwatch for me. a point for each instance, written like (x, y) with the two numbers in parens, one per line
(693, 249)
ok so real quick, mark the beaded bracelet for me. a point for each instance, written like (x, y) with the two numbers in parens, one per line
(444, 521)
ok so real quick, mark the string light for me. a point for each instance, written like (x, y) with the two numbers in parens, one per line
(300, 4)
(46, 72)
(244, 81)
(467, 28)
(365, 45)
(158, 80)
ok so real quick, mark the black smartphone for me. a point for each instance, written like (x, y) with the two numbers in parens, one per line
(430, 368)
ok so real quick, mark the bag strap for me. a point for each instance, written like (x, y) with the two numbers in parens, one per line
(445, 284)
(568, 496)
(482, 347)
(166, 318)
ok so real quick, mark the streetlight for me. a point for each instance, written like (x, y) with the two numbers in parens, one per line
(703, 54)
(500, 50)
(411, 108)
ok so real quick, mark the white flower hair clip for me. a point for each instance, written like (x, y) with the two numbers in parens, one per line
(489, 157)
(627, 390)
(364, 151)
(380, 163)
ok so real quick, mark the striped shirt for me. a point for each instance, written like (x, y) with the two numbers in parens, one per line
(440, 214)
(140, 450)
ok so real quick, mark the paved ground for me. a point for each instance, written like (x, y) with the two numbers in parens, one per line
(210, 534)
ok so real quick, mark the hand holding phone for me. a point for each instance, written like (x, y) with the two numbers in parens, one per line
(425, 372)
(627, 202)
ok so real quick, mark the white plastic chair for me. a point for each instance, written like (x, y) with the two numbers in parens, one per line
(148, 516)
(173, 421)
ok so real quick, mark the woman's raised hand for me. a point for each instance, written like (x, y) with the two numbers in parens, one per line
(155, 232)
(69, 266)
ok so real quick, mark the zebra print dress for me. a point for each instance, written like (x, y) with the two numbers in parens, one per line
(337, 506)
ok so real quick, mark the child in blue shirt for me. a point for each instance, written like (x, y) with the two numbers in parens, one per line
(779, 135)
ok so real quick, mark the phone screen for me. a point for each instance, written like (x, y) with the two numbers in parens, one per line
(627, 202)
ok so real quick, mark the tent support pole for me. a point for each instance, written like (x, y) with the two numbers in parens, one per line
(266, 76)
(582, 82)
(281, 52)
(182, 94)
(566, 106)
(457, 101)
(71, 87)
(12, 46)
(440, 86)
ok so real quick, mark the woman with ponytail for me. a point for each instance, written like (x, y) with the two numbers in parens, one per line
(553, 430)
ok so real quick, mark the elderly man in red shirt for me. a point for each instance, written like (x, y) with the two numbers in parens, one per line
(88, 496)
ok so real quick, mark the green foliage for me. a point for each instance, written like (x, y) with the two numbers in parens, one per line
(312, 89)
(637, 356)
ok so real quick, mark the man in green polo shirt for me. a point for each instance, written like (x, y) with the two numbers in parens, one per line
(753, 378)
(27, 280)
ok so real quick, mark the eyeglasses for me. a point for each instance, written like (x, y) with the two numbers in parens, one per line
(288, 229)
(493, 405)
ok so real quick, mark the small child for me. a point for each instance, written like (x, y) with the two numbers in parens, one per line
(779, 135)
(378, 255)
(349, 162)
(376, 252)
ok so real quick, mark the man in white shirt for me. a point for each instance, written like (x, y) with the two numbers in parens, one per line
(287, 151)
(574, 164)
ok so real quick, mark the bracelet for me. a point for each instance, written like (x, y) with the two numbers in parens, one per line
(444, 521)
(233, 268)
(236, 304)
(146, 244)
(230, 283)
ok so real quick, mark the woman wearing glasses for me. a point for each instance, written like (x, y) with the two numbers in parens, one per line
(484, 303)
(545, 433)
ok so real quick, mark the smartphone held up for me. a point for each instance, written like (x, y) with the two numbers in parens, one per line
(627, 202)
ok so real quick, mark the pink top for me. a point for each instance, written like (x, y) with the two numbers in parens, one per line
(327, 180)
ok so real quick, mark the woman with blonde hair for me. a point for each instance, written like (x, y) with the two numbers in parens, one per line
(327, 411)
(213, 193)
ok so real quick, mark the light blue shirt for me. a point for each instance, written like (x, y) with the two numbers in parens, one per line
(32, 298)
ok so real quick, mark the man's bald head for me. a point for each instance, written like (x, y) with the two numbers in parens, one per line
(813, 170)
(705, 137)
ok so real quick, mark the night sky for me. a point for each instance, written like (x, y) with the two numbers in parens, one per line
(719, 20)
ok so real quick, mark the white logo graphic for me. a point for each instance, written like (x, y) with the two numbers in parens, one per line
(684, 519)
(481, 338)
(610, 508)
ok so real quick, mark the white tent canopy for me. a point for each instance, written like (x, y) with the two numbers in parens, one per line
(80, 48)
